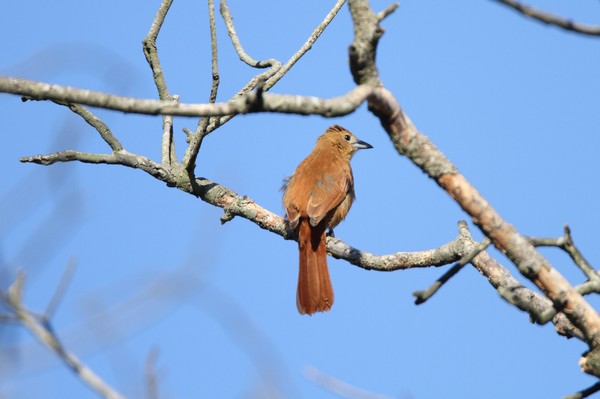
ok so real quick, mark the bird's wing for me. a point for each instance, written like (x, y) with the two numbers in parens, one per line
(329, 191)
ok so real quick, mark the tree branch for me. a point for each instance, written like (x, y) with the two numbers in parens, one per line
(275, 103)
(424, 295)
(237, 45)
(151, 52)
(168, 153)
(117, 158)
(551, 19)
(96, 123)
(235, 205)
(567, 244)
(410, 142)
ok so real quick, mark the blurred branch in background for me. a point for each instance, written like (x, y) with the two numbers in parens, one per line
(109, 318)
(338, 387)
(42, 330)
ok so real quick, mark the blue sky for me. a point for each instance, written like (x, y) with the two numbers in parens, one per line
(513, 103)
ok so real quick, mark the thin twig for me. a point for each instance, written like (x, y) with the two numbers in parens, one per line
(208, 125)
(195, 139)
(424, 295)
(316, 33)
(512, 291)
(244, 57)
(119, 158)
(151, 53)
(381, 15)
(214, 55)
(552, 19)
(566, 243)
(168, 154)
(96, 123)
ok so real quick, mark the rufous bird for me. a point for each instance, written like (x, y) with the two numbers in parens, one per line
(317, 197)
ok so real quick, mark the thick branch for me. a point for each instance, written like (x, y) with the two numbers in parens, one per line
(410, 142)
(551, 19)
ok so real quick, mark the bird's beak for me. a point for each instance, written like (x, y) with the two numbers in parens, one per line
(362, 145)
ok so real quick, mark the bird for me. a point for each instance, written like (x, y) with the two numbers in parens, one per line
(318, 197)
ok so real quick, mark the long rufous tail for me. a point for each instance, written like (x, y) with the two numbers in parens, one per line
(315, 292)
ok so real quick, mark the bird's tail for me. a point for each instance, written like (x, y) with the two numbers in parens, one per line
(315, 293)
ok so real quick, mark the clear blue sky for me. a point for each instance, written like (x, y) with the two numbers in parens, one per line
(513, 103)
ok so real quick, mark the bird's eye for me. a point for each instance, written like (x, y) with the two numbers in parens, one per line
(347, 137)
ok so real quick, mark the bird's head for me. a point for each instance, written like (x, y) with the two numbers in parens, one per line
(342, 140)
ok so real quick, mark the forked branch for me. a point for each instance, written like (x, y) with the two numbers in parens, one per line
(409, 142)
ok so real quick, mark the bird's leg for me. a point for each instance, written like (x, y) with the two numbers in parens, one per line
(330, 233)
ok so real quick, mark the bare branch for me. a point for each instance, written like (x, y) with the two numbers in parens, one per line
(447, 253)
(567, 244)
(551, 19)
(168, 155)
(531, 263)
(117, 158)
(410, 142)
(213, 53)
(387, 11)
(276, 103)
(512, 291)
(151, 53)
(195, 139)
(424, 295)
(96, 123)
